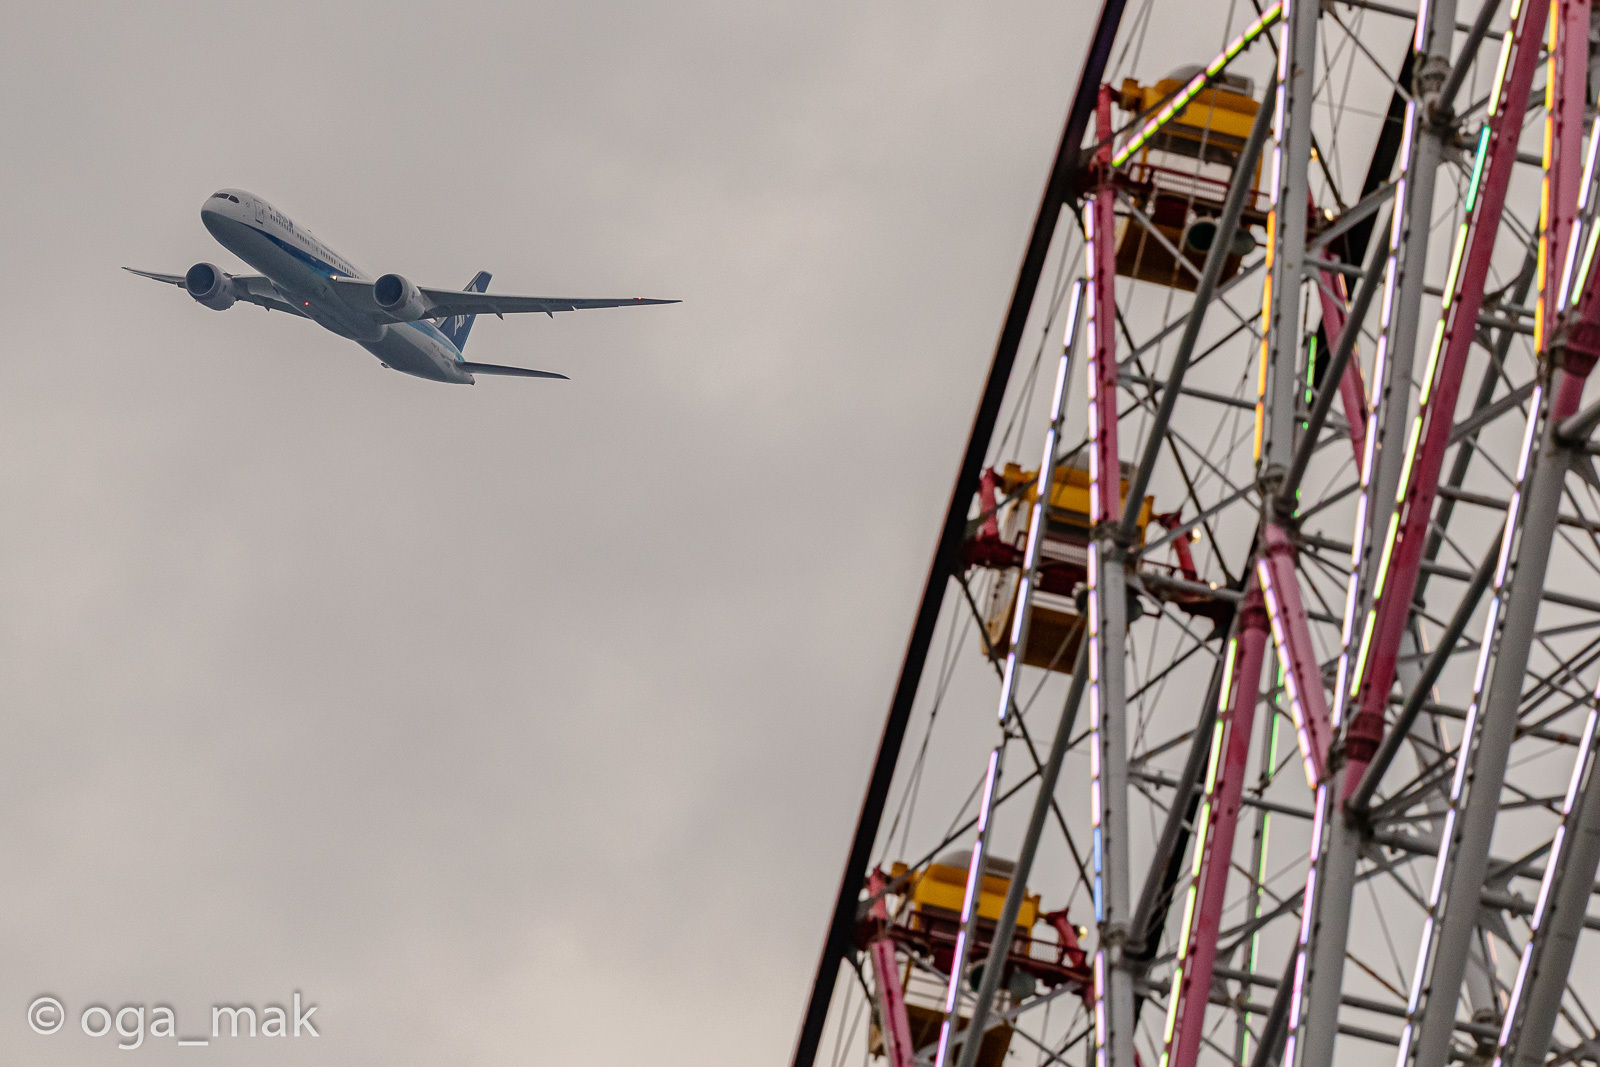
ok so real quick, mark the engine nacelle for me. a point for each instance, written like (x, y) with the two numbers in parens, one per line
(399, 299)
(210, 286)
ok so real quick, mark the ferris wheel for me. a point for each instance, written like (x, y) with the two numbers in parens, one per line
(1249, 715)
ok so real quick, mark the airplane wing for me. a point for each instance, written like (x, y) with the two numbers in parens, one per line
(255, 288)
(444, 303)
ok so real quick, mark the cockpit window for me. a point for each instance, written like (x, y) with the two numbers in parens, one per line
(235, 199)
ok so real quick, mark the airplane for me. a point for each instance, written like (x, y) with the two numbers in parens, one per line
(409, 328)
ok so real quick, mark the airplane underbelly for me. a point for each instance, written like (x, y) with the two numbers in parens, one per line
(260, 252)
(413, 348)
(300, 284)
(405, 349)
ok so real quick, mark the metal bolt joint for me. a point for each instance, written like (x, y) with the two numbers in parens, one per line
(1114, 939)
(1428, 77)
(1575, 348)
(1114, 544)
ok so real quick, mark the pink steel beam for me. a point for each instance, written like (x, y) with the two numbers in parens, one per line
(1580, 337)
(990, 530)
(891, 998)
(1213, 852)
(1107, 607)
(1401, 562)
(1489, 729)
(1302, 675)
(1352, 390)
(1577, 345)
(891, 1005)
(1105, 470)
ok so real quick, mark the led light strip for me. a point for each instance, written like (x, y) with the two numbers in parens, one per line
(1019, 630)
(1584, 758)
(1319, 786)
(1104, 477)
(1342, 684)
(1198, 83)
(1277, 93)
(1497, 603)
(1265, 838)
(968, 904)
(1201, 833)
(1469, 731)
(1291, 684)
(1576, 237)
(1348, 680)
(1269, 593)
(1540, 310)
(1096, 741)
(1036, 520)
(1308, 899)
(1584, 198)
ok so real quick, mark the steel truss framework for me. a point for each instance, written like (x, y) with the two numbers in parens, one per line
(1312, 771)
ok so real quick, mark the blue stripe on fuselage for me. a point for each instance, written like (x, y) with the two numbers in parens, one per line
(327, 270)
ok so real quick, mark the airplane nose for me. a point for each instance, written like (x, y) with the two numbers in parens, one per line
(219, 206)
(213, 219)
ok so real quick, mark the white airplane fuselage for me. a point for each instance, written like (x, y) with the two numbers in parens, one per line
(302, 269)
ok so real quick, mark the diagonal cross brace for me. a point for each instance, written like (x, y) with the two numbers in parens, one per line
(1352, 390)
(1531, 520)
(1214, 834)
(1291, 635)
(1407, 534)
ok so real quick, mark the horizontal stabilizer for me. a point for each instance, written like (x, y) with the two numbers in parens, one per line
(516, 372)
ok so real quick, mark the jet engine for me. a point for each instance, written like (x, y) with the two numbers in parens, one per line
(210, 286)
(399, 299)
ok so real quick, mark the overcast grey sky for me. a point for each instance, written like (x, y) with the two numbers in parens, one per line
(521, 723)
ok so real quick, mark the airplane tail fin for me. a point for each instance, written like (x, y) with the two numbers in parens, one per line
(456, 327)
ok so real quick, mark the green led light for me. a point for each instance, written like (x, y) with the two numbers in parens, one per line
(1311, 368)
(1477, 167)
